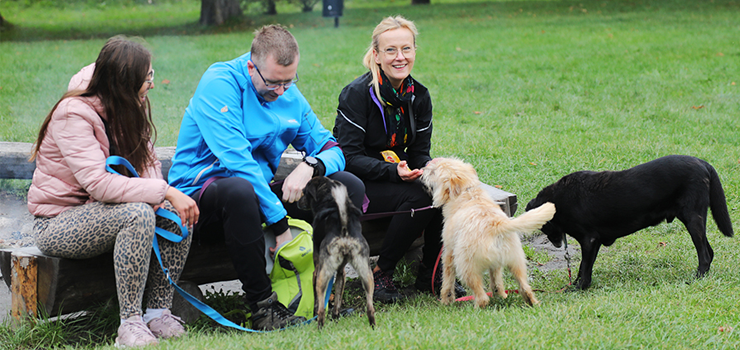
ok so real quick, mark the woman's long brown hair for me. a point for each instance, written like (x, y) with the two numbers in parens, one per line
(120, 71)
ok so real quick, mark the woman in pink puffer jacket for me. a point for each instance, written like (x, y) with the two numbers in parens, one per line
(83, 211)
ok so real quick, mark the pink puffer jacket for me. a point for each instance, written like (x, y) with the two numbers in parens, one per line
(70, 166)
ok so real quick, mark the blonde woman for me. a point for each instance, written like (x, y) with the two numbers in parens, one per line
(384, 126)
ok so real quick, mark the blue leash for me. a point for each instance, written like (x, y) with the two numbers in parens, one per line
(207, 310)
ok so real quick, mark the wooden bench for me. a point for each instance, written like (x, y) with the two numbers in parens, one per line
(62, 286)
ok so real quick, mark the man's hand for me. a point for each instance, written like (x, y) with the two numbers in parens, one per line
(284, 237)
(407, 174)
(296, 181)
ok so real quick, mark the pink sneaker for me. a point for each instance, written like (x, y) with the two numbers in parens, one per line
(134, 333)
(167, 326)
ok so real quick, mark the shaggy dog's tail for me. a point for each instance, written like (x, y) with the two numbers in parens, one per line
(718, 204)
(533, 219)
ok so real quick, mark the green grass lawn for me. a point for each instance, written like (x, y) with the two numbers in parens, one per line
(526, 91)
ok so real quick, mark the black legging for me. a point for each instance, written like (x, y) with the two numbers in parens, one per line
(229, 213)
(403, 228)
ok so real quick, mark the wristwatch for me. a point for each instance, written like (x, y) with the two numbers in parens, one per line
(313, 163)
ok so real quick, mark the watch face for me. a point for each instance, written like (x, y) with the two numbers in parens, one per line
(311, 161)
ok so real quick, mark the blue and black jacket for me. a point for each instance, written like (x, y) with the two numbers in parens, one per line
(229, 130)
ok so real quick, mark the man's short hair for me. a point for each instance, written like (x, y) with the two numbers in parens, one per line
(274, 40)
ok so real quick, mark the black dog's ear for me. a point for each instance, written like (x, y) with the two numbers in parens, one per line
(554, 233)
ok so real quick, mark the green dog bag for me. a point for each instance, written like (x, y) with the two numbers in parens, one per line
(292, 272)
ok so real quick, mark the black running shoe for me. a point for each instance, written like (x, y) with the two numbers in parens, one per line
(385, 290)
(271, 314)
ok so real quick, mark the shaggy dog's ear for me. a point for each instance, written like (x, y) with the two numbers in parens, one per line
(455, 184)
(460, 177)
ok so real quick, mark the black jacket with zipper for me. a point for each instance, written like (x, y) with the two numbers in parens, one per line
(360, 131)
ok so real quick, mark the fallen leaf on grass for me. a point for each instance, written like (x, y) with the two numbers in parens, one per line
(720, 54)
(697, 107)
(725, 329)
(498, 186)
(477, 112)
(458, 48)
(662, 244)
(532, 163)
(733, 83)
(166, 81)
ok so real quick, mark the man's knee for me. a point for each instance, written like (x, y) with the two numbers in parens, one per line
(235, 190)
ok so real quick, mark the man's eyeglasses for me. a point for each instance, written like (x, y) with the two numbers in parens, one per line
(273, 86)
(150, 77)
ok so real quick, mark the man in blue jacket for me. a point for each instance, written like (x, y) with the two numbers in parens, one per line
(242, 117)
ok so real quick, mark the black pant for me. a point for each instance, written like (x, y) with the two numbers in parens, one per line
(404, 228)
(229, 213)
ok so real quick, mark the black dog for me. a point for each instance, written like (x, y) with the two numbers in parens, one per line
(337, 240)
(596, 208)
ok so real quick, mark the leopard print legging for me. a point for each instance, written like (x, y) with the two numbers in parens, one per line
(127, 229)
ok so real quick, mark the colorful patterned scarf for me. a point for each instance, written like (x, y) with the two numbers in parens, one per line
(396, 112)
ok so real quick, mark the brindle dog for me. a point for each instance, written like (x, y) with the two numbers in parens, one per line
(337, 240)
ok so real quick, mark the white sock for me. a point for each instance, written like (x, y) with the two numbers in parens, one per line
(152, 314)
(124, 320)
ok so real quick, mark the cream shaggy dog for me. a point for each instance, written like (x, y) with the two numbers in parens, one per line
(477, 234)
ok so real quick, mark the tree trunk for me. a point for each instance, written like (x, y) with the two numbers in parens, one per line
(270, 7)
(420, 2)
(2, 21)
(308, 5)
(216, 12)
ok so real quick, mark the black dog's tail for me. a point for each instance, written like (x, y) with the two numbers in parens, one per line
(718, 203)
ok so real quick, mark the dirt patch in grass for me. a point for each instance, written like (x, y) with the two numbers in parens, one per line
(557, 255)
